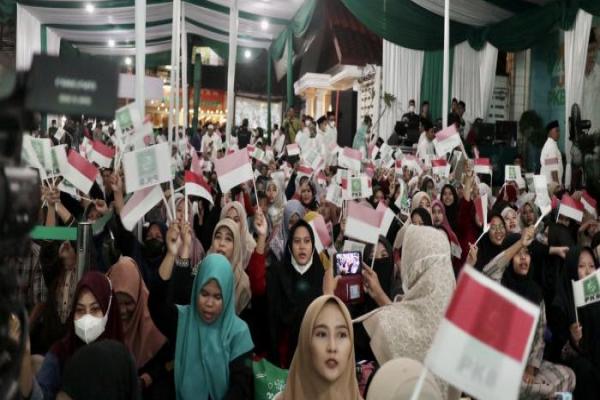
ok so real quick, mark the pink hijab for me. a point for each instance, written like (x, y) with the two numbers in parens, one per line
(455, 248)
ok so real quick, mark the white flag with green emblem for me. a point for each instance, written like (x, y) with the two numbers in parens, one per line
(587, 290)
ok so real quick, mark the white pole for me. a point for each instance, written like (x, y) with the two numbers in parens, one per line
(172, 75)
(233, 30)
(140, 55)
(446, 63)
(184, 60)
(177, 69)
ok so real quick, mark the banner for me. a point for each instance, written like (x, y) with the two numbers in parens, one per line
(147, 167)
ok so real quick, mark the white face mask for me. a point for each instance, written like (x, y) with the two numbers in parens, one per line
(88, 328)
(411, 109)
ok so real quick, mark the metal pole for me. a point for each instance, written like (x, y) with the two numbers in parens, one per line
(177, 70)
(233, 31)
(84, 248)
(446, 62)
(140, 55)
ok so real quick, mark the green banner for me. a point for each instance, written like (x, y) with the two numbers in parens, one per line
(41, 232)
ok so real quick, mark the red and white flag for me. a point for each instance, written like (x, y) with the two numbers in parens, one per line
(440, 167)
(321, 178)
(571, 208)
(139, 204)
(446, 140)
(363, 223)
(303, 170)
(322, 236)
(481, 208)
(350, 158)
(196, 185)
(102, 154)
(387, 217)
(482, 344)
(589, 203)
(80, 172)
(412, 163)
(292, 149)
(233, 169)
(483, 166)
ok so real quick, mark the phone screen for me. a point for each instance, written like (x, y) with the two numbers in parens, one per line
(347, 263)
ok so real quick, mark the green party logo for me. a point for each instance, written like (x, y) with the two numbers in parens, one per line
(591, 289)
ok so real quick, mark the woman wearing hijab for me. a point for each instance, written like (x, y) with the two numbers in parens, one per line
(100, 371)
(145, 342)
(420, 216)
(235, 211)
(212, 345)
(528, 214)
(541, 379)
(292, 213)
(276, 201)
(94, 316)
(511, 219)
(323, 367)
(406, 328)
(419, 200)
(307, 194)
(440, 221)
(226, 241)
(397, 379)
(578, 333)
(292, 285)
(449, 197)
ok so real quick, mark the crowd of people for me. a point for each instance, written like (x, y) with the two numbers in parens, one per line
(186, 307)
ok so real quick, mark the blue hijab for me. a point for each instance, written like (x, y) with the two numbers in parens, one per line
(203, 351)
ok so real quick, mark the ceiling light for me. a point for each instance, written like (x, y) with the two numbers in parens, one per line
(264, 24)
(89, 8)
(111, 43)
(128, 60)
(247, 54)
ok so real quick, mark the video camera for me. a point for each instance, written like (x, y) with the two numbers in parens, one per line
(75, 87)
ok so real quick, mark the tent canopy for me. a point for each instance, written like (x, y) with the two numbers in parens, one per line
(113, 20)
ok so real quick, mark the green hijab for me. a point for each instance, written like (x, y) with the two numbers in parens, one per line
(203, 351)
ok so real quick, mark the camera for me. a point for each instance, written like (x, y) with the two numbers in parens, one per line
(82, 86)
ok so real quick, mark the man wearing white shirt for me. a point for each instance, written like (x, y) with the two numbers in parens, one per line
(425, 147)
(551, 158)
(211, 142)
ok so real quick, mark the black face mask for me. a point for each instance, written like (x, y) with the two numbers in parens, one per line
(153, 248)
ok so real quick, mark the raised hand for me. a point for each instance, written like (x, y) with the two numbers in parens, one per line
(101, 206)
(260, 222)
(186, 237)
(174, 241)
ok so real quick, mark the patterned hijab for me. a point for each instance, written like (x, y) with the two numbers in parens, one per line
(141, 336)
(406, 328)
(203, 351)
(303, 381)
(246, 239)
(243, 293)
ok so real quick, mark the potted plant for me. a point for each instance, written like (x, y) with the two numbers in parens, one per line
(533, 137)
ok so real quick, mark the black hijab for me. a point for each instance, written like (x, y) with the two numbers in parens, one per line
(424, 214)
(101, 370)
(290, 293)
(488, 250)
(524, 286)
(451, 210)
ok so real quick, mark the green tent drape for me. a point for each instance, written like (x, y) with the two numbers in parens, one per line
(298, 27)
(405, 23)
(197, 83)
(408, 25)
(432, 81)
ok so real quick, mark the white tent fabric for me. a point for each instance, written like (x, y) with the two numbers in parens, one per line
(473, 78)
(576, 46)
(466, 83)
(471, 12)
(488, 57)
(52, 42)
(28, 38)
(402, 72)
